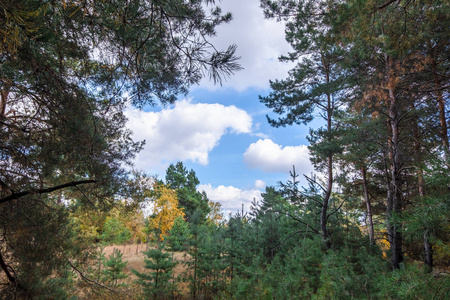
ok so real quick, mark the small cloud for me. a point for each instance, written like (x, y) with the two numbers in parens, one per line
(271, 157)
(259, 184)
(232, 197)
(261, 135)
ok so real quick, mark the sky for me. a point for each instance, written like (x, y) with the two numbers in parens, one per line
(221, 132)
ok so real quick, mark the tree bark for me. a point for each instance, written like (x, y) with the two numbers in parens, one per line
(428, 251)
(3, 99)
(368, 205)
(441, 107)
(5, 269)
(394, 228)
(326, 199)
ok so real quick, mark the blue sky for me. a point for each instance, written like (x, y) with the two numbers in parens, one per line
(221, 132)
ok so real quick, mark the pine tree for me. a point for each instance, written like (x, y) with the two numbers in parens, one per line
(185, 184)
(315, 83)
(179, 235)
(159, 282)
(113, 268)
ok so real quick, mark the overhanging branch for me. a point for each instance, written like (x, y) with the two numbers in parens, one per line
(43, 191)
(386, 4)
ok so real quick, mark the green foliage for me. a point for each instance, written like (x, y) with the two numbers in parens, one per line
(411, 282)
(185, 183)
(159, 283)
(38, 255)
(348, 274)
(178, 235)
(114, 231)
(113, 268)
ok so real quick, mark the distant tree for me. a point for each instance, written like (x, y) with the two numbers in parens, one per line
(215, 215)
(114, 231)
(165, 209)
(185, 183)
(179, 235)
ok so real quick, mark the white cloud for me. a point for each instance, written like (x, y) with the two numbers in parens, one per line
(187, 131)
(271, 157)
(259, 184)
(260, 42)
(231, 197)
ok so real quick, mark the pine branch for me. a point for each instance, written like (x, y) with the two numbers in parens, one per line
(334, 211)
(44, 191)
(90, 280)
(297, 219)
(387, 4)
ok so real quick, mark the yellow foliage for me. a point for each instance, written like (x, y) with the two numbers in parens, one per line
(165, 210)
(384, 243)
(215, 215)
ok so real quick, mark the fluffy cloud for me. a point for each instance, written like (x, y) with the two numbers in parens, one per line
(260, 42)
(187, 131)
(231, 197)
(271, 157)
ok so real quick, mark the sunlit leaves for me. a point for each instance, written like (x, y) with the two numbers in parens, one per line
(165, 210)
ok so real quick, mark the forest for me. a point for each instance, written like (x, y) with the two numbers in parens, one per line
(372, 222)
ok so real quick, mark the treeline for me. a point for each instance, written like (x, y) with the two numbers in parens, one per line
(276, 250)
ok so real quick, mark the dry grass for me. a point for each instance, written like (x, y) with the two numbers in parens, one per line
(134, 256)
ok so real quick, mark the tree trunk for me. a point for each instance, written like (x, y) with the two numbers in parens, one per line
(441, 107)
(3, 99)
(326, 198)
(368, 205)
(428, 251)
(394, 228)
(5, 269)
(426, 235)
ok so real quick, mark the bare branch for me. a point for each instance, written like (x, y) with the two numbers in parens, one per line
(334, 211)
(44, 191)
(90, 280)
(387, 4)
(297, 219)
